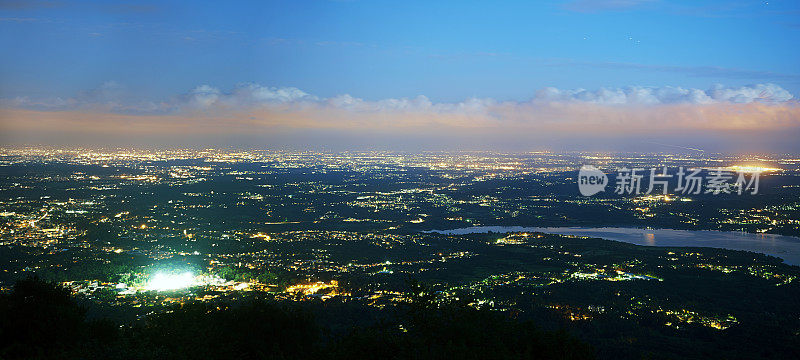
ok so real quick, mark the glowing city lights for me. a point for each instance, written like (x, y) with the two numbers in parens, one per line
(164, 282)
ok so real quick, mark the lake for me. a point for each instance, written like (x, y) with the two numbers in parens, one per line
(784, 247)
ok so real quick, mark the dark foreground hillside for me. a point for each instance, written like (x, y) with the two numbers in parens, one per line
(41, 320)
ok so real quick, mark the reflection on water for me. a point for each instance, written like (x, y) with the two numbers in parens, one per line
(785, 247)
(650, 239)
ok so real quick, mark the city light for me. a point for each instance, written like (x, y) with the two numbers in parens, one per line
(164, 282)
(752, 168)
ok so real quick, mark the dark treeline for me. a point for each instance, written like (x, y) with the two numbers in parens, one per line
(39, 319)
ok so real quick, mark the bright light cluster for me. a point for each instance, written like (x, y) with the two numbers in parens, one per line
(163, 282)
(752, 169)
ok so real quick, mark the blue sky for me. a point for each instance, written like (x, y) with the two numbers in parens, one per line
(446, 50)
(396, 70)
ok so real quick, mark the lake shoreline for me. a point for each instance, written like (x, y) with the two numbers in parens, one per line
(784, 247)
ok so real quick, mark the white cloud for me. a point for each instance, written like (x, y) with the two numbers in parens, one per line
(420, 103)
(111, 97)
(769, 93)
(254, 111)
(254, 93)
(242, 96)
(203, 96)
(638, 95)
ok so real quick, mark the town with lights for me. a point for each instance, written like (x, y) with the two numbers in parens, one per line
(134, 234)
